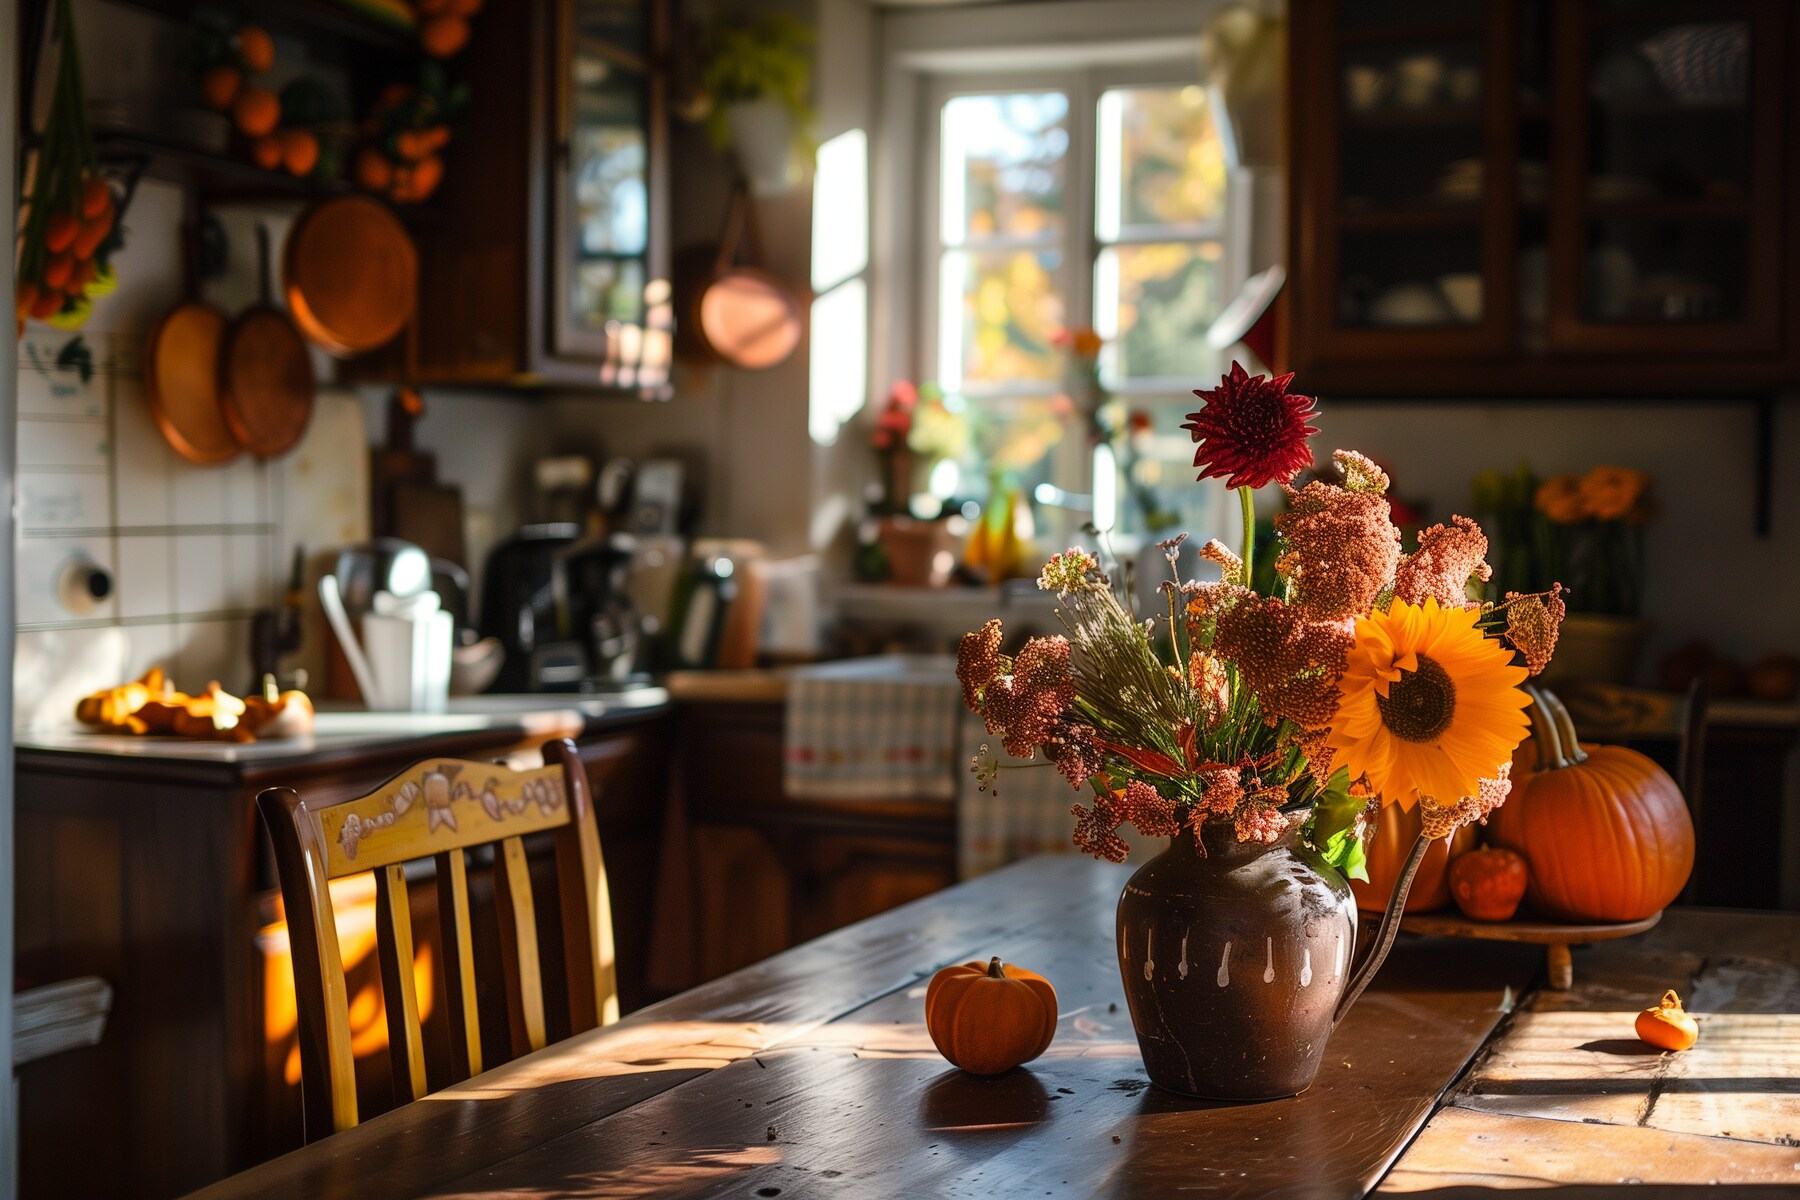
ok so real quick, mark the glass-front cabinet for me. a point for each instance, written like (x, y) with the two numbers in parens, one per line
(601, 168)
(1519, 196)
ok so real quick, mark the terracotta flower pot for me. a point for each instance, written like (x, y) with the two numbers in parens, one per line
(1234, 962)
(1395, 832)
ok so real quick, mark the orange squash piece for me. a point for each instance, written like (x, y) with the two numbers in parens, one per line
(1488, 884)
(990, 1017)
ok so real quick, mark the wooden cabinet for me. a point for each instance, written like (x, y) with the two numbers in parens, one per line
(772, 871)
(545, 255)
(154, 875)
(1513, 197)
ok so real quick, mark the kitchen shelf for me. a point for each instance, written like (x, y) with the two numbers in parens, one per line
(212, 173)
(1414, 118)
(1666, 210)
(1379, 35)
(313, 20)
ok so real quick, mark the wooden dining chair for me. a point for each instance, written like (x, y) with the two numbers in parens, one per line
(439, 809)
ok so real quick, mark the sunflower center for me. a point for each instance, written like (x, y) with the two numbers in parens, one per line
(1419, 704)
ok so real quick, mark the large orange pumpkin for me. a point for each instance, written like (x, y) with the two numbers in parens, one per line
(988, 1018)
(1396, 829)
(1605, 832)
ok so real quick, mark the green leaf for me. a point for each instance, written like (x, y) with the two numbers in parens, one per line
(1345, 851)
(75, 356)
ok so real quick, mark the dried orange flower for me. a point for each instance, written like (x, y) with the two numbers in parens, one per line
(1231, 566)
(1340, 549)
(1447, 558)
(1148, 810)
(1261, 821)
(1097, 829)
(1025, 708)
(1067, 571)
(1075, 753)
(1290, 661)
(1441, 820)
(1361, 474)
(979, 662)
(1221, 789)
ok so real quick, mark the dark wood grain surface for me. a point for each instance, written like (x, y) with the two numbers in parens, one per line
(812, 1072)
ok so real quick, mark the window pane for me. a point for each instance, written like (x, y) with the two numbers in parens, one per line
(1004, 166)
(1159, 160)
(1153, 303)
(1000, 309)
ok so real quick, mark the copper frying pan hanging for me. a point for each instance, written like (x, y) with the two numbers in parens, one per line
(350, 274)
(181, 371)
(265, 373)
(745, 314)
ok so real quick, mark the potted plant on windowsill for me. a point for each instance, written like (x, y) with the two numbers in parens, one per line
(1260, 734)
(757, 75)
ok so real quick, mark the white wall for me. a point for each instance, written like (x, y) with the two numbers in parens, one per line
(1709, 574)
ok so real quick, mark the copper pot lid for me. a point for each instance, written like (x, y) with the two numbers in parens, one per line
(181, 384)
(350, 274)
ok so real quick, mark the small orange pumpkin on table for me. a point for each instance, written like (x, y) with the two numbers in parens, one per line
(1488, 884)
(989, 1017)
(1667, 1025)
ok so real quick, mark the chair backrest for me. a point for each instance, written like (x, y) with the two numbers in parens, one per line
(439, 809)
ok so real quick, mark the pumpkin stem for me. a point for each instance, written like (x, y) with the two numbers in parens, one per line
(995, 970)
(1670, 1000)
(1550, 756)
(1565, 728)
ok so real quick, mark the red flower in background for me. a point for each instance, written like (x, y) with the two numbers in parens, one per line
(1251, 431)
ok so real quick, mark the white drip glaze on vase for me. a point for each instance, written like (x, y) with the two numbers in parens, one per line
(1225, 966)
(1305, 967)
(1149, 954)
(1181, 967)
(1339, 968)
(1269, 971)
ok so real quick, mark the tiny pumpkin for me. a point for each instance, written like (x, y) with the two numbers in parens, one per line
(1668, 1025)
(990, 1017)
(1488, 884)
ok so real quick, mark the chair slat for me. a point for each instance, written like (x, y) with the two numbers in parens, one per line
(459, 965)
(586, 903)
(399, 992)
(519, 945)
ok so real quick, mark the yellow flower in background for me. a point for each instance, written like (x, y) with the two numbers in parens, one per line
(1562, 500)
(1429, 707)
(1611, 493)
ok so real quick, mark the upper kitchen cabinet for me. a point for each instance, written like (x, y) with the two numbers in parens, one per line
(546, 258)
(1542, 197)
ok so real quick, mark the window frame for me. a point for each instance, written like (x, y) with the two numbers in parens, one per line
(1081, 244)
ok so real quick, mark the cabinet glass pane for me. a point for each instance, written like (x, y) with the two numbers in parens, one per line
(1669, 117)
(1384, 14)
(1413, 132)
(1665, 271)
(617, 24)
(608, 169)
(1409, 278)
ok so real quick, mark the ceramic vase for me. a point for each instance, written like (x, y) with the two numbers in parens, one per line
(1235, 956)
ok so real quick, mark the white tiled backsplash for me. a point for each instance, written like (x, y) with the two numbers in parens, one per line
(193, 551)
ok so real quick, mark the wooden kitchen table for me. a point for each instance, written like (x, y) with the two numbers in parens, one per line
(811, 1074)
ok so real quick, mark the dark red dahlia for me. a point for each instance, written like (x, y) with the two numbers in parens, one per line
(1252, 431)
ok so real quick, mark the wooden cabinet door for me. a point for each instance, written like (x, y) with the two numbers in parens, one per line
(1405, 151)
(1667, 208)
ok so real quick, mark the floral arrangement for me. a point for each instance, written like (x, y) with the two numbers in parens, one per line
(1369, 678)
(1089, 395)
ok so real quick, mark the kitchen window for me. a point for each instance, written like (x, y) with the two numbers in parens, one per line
(1056, 201)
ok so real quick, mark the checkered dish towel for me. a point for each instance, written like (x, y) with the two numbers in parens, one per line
(1024, 812)
(879, 728)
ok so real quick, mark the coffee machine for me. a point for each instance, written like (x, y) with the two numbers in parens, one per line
(559, 601)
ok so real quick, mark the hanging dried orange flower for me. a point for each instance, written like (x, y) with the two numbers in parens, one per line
(1222, 789)
(1259, 820)
(1075, 753)
(1440, 821)
(1340, 549)
(1532, 624)
(1097, 829)
(1024, 708)
(1288, 660)
(1230, 565)
(1447, 558)
(1251, 431)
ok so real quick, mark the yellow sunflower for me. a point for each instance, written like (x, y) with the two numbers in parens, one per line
(1429, 706)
